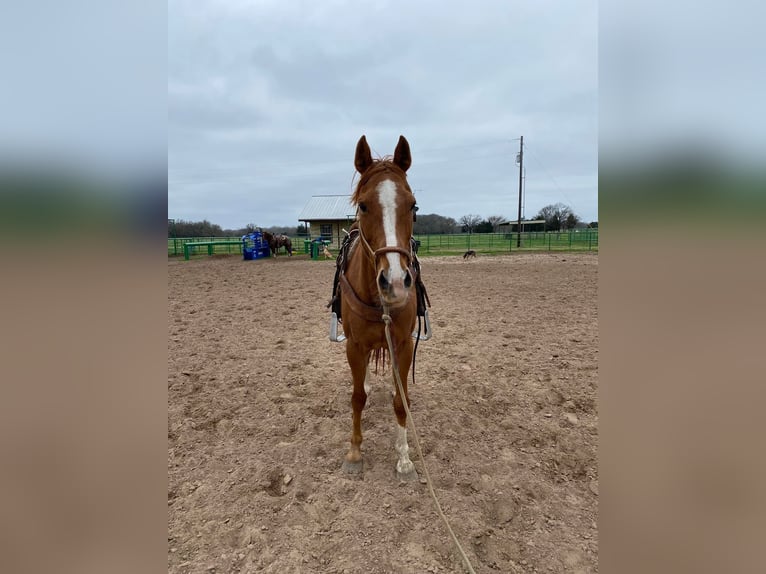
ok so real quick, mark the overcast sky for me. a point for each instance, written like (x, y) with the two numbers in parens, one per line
(267, 99)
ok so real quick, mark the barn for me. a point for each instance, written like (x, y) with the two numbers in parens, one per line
(512, 226)
(326, 216)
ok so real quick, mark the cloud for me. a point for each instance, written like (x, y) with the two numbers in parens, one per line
(267, 100)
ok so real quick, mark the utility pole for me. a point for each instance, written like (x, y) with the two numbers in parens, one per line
(521, 172)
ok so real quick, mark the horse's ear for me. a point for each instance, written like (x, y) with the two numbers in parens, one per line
(363, 158)
(402, 156)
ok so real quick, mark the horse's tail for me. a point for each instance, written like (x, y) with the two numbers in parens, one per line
(379, 356)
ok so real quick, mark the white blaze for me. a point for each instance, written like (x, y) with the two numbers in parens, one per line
(387, 197)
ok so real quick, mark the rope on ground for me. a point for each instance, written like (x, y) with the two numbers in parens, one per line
(395, 368)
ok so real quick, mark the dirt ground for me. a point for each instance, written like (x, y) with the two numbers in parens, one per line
(259, 419)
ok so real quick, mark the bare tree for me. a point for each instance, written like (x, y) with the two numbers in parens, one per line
(469, 222)
(495, 221)
(557, 216)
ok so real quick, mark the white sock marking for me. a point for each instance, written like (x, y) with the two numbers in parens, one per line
(404, 464)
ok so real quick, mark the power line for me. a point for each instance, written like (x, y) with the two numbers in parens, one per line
(561, 191)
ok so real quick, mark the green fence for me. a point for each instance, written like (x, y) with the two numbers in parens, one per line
(453, 244)
(574, 240)
(176, 245)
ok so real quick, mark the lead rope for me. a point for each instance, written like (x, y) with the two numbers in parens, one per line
(395, 367)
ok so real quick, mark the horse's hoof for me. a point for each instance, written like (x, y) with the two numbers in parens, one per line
(411, 476)
(353, 467)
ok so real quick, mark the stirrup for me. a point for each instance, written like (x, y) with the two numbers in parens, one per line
(426, 334)
(334, 336)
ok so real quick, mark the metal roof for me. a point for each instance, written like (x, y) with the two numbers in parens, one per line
(523, 222)
(328, 207)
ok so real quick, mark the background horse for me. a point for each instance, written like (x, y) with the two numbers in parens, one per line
(277, 241)
(284, 241)
(378, 277)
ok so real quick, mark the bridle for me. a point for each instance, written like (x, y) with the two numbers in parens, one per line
(375, 253)
(373, 311)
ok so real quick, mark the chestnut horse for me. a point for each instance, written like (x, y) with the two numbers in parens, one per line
(379, 278)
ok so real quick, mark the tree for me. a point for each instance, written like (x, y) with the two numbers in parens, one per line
(194, 229)
(571, 221)
(557, 216)
(469, 222)
(280, 229)
(432, 223)
(495, 221)
(483, 227)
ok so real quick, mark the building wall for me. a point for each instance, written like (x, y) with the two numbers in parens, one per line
(315, 229)
(525, 225)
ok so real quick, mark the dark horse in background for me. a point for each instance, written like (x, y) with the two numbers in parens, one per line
(278, 241)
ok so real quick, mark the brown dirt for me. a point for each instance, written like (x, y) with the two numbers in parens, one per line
(504, 401)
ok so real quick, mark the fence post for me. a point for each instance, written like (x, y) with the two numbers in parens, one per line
(549, 241)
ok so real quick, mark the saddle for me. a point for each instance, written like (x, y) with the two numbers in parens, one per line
(342, 288)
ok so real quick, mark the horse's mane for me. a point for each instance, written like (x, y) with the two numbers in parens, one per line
(380, 165)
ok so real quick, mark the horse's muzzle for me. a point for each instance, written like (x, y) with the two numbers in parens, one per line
(394, 292)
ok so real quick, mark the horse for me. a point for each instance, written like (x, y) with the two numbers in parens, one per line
(278, 241)
(379, 278)
(469, 253)
(284, 241)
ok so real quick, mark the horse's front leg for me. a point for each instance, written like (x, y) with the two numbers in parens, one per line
(357, 360)
(405, 470)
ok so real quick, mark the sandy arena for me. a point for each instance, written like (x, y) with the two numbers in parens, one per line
(259, 419)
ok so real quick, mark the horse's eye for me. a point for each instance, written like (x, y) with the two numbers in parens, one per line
(363, 208)
(415, 208)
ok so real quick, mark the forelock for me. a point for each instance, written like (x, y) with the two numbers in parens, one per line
(381, 166)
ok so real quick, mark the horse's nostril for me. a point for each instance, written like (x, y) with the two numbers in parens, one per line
(408, 280)
(382, 281)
